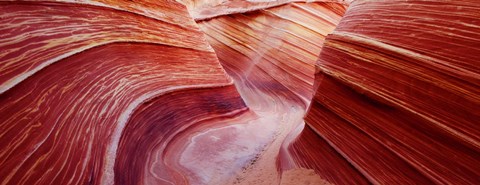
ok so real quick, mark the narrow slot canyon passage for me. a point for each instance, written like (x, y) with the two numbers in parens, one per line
(272, 61)
(244, 92)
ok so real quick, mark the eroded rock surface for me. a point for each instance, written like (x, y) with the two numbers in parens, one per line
(239, 92)
(398, 94)
(94, 92)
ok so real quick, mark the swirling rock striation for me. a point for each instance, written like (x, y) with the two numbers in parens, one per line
(398, 93)
(273, 50)
(271, 55)
(36, 34)
(90, 91)
(203, 10)
(137, 92)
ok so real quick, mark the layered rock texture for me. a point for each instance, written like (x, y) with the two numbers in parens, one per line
(398, 95)
(240, 92)
(95, 92)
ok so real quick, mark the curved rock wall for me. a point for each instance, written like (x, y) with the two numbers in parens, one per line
(398, 92)
(273, 51)
(136, 92)
(93, 92)
(203, 10)
(271, 56)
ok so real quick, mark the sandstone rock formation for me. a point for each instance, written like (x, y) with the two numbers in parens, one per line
(240, 92)
(398, 94)
(93, 92)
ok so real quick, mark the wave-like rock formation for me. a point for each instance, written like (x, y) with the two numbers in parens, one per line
(216, 92)
(398, 95)
(202, 9)
(271, 56)
(274, 51)
(94, 92)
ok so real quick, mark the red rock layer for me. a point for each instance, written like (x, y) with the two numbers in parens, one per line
(202, 10)
(326, 162)
(273, 51)
(271, 55)
(151, 130)
(103, 92)
(38, 34)
(398, 93)
(77, 79)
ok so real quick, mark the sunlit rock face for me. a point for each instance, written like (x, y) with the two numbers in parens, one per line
(398, 95)
(216, 92)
